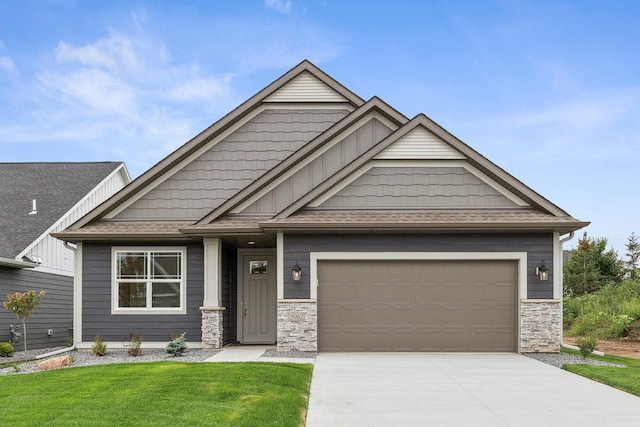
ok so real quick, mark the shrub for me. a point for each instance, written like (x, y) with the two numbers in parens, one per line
(6, 349)
(177, 345)
(133, 344)
(99, 348)
(586, 345)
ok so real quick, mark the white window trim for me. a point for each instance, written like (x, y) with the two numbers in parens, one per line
(149, 310)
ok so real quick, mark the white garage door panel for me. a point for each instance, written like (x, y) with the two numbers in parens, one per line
(417, 305)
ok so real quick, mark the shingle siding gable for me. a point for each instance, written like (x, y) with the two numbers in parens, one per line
(417, 187)
(319, 169)
(232, 164)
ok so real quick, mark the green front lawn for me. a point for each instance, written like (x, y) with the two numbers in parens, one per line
(159, 394)
(627, 379)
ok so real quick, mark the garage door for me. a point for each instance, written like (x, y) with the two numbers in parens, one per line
(417, 305)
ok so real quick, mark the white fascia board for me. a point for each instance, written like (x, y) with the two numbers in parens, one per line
(320, 151)
(14, 263)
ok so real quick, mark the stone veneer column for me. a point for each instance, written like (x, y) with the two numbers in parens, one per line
(540, 325)
(212, 328)
(297, 325)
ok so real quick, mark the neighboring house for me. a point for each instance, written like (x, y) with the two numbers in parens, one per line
(313, 219)
(35, 200)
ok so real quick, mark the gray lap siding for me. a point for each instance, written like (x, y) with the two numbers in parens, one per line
(537, 246)
(55, 312)
(96, 300)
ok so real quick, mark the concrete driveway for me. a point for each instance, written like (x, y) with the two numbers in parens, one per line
(459, 389)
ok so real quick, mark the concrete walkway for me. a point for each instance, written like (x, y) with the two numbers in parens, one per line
(459, 390)
(252, 353)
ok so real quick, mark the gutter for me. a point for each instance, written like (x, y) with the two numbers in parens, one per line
(562, 343)
(13, 263)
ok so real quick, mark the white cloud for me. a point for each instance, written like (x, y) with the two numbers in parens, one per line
(120, 97)
(7, 65)
(114, 53)
(282, 6)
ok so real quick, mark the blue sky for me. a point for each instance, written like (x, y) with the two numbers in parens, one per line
(548, 90)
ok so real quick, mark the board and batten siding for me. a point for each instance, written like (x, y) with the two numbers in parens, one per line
(56, 258)
(232, 164)
(320, 168)
(417, 187)
(96, 301)
(55, 312)
(537, 246)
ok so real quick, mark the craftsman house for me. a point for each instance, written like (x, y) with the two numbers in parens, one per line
(35, 200)
(313, 219)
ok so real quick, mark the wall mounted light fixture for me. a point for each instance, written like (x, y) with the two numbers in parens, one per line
(296, 273)
(542, 271)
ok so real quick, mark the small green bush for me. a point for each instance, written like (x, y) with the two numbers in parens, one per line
(99, 348)
(6, 349)
(133, 345)
(177, 345)
(586, 345)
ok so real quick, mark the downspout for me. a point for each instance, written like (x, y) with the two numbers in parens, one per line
(73, 347)
(561, 267)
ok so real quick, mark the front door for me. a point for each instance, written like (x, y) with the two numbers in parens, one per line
(257, 293)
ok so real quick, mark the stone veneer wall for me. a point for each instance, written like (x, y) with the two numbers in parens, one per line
(297, 325)
(540, 326)
(212, 329)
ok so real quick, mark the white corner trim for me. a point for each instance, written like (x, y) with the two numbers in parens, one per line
(320, 151)
(280, 265)
(77, 295)
(521, 257)
(557, 269)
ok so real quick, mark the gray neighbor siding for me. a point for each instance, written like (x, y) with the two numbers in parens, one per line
(55, 312)
(537, 246)
(96, 300)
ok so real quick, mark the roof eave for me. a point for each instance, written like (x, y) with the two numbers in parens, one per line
(14, 263)
(121, 237)
(562, 227)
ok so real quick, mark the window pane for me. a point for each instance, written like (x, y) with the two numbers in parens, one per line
(131, 265)
(132, 294)
(166, 294)
(165, 265)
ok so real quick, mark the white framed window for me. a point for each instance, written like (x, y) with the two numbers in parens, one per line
(148, 280)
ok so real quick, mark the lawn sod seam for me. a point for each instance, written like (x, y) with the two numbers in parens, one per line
(626, 379)
(160, 393)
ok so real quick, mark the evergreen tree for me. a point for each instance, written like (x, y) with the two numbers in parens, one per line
(633, 255)
(591, 266)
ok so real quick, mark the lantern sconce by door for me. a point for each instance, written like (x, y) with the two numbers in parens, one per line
(296, 273)
(542, 271)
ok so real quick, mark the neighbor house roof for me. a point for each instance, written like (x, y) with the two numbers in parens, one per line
(55, 187)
